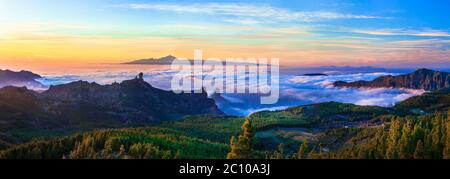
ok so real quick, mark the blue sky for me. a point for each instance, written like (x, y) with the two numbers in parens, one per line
(308, 33)
(404, 13)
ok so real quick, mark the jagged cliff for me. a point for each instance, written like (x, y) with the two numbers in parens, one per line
(21, 78)
(421, 79)
(90, 105)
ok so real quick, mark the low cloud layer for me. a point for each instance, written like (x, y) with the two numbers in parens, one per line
(302, 90)
(294, 90)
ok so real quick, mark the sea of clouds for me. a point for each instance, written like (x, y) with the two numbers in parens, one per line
(295, 90)
(303, 90)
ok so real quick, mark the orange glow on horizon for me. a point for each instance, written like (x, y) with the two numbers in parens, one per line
(51, 51)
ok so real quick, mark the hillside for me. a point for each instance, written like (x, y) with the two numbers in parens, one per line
(215, 129)
(322, 113)
(425, 137)
(22, 78)
(143, 143)
(83, 106)
(421, 79)
(332, 130)
(430, 102)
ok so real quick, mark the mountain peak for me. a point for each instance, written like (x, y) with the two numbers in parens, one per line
(424, 70)
(169, 57)
(21, 78)
(167, 60)
(140, 76)
(423, 78)
(134, 97)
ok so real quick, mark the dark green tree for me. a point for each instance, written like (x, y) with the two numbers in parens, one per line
(302, 150)
(108, 151)
(393, 137)
(405, 151)
(242, 149)
(418, 154)
(122, 152)
(446, 153)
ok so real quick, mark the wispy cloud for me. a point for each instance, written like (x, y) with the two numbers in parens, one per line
(427, 43)
(246, 11)
(403, 32)
(243, 21)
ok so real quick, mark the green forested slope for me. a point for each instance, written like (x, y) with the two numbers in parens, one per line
(142, 143)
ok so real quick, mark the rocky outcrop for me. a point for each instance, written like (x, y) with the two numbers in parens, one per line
(22, 78)
(421, 79)
(90, 105)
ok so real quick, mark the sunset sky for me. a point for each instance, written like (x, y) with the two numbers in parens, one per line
(385, 33)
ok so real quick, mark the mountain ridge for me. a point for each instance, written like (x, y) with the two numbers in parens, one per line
(167, 60)
(20, 78)
(89, 105)
(424, 79)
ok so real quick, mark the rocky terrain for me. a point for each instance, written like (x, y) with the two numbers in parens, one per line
(83, 105)
(22, 78)
(421, 79)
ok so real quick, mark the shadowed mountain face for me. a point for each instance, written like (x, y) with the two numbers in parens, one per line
(431, 102)
(90, 105)
(22, 78)
(421, 79)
